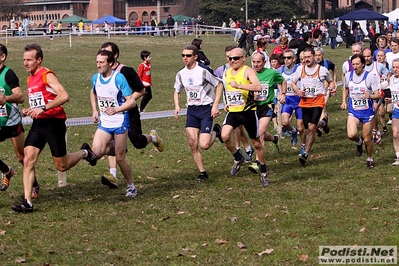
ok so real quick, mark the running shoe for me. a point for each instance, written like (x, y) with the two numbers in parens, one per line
(376, 137)
(6, 178)
(236, 166)
(109, 180)
(24, 206)
(131, 192)
(326, 128)
(159, 143)
(264, 179)
(294, 136)
(254, 168)
(384, 132)
(389, 122)
(302, 151)
(370, 164)
(36, 191)
(303, 158)
(276, 142)
(218, 129)
(359, 148)
(91, 157)
(249, 154)
(319, 132)
(396, 162)
(202, 177)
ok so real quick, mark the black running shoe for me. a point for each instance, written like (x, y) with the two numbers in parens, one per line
(91, 157)
(326, 128)
(218, 130)
(202, 177)
(303, 158)
(359, 148)
(319, 132)
(24, 206)
(6, 179)
(370, 164)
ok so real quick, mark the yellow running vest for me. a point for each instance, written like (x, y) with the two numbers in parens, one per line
(239, 100)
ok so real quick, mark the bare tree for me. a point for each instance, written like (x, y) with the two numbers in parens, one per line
(10, 9)
(352, 5)
(189, 7)
(374, 2)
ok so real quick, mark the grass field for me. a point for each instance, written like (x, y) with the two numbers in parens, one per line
(333, 200)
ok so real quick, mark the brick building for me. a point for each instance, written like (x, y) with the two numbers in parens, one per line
(40, 10)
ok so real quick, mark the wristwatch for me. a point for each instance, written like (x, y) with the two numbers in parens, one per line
(44, 108)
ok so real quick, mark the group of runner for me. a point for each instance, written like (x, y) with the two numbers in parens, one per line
(250, 96)
(115, 89)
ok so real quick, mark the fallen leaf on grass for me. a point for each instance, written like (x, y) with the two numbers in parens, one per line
(241, 245)
(178, 161)
(267, 252)
(176, 196)
(2, 232)
(204, 245)
(247, 202)
(164, 218)
(303, 257)
(293, 235)
(233, 219)
(375, 208)
(192, 256)
(151, 178)
(267, 215)
(151, 156)
(180, 212)
(187, 249)
(79, 253)
(362, 230)
(154, 227)
(20, 260)
(50, 251)
(220, 241)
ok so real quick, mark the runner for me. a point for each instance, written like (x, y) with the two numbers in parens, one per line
(362, 88)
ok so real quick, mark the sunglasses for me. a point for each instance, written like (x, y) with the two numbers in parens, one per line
(186, 55)
(287, 57)
(235, 58)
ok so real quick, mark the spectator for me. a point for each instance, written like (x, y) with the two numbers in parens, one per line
(358, 33)
(201, 55)
(332, 34)
(170, 22)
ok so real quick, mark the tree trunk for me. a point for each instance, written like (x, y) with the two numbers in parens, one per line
(319, 9)
(374, 2)
(352, 5)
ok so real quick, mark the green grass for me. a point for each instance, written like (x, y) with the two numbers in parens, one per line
(174, 220)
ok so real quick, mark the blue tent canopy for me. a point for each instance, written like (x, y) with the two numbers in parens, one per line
(363, 14)
(110, 20)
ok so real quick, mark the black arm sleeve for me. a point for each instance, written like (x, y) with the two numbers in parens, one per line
(11, 79)
(132, 79)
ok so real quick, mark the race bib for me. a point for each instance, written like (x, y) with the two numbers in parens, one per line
(3, 111)
(395, 99)
(235, 98)
(193, 94)
(290, 90)
(262, 95)
(36, 100)
(105, 102)
(310, 90)
(360, 103)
